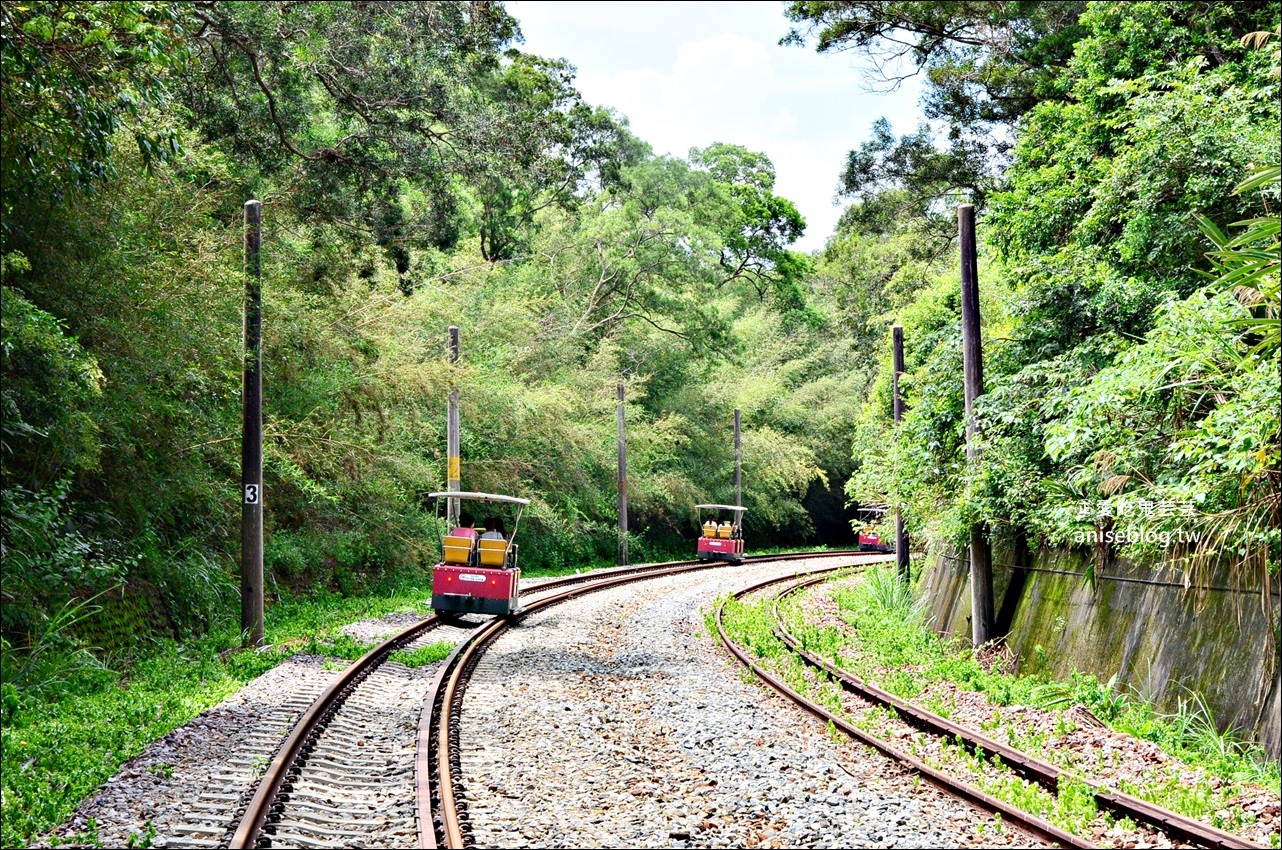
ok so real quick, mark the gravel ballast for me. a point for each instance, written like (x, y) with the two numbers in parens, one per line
(614, 720)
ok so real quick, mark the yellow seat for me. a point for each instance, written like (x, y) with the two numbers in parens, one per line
(725, 530)
(493, 553)
(709, 529)
(458, 550)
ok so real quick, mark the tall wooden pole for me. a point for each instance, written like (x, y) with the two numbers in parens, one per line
(981, 559)
(623, 487)
(901, 537)
(452, 476)
(738, 464)
(251, 446)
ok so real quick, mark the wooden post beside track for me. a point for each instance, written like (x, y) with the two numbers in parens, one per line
(981, 558)
(738, 464)
(251, 446)
(623, 487)
(901, 537)
(452, 476)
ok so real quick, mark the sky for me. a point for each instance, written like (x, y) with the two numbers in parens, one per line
(687, 74)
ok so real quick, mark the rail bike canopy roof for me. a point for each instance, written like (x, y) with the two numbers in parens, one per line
(479, 497)
(738, 508)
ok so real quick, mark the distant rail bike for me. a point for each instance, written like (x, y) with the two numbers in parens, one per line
(721, 540)
(869, 538)
(479, 572)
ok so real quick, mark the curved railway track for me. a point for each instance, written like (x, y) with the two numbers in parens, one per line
(1178, 827)
(440, 807)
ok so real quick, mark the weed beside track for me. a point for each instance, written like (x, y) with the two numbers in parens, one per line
(871, 629)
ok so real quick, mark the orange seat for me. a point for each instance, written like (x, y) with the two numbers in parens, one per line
(458, 550)
(493, 553)
(724, 531)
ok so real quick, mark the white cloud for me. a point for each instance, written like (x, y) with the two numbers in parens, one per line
(716, 88)
(689, 74)
(783, 122)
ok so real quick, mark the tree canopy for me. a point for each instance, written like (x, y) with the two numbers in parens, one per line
(418, 170)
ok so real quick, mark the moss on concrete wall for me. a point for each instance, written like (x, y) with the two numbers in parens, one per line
(1161, 641)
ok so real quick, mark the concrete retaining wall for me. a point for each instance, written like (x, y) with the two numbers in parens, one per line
(1159, 640)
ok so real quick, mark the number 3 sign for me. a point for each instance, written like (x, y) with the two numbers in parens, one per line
(251, 494)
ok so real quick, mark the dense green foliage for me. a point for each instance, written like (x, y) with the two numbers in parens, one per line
(417, 171)
(1131, 362)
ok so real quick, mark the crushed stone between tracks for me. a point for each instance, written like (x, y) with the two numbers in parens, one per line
(615, 721)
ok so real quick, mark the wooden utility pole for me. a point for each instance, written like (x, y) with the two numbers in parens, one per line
(623, 487)
(452, 476)
(981, 557)
(738, 465)
(901, 537)
(251, 445)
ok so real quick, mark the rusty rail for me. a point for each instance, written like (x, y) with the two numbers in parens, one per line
(258, 813)
(1173, 824)
(438, 724)
(948, 783)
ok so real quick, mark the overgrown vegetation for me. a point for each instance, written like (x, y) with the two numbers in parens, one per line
(419, 170)
(886, 640)
(1131, 360)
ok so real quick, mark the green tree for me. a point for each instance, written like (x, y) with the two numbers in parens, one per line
(76, 73)
(411, 120)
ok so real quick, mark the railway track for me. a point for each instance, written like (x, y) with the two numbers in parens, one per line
(308, 796)
(1178, 827)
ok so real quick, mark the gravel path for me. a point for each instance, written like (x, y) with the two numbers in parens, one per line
(188, 785)
(189, 788)
(615, 721)
(612, 720)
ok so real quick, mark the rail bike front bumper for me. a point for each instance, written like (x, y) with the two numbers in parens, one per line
(475, 590)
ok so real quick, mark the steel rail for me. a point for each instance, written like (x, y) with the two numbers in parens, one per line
(1044, 773)
(949, 783)
(259, 809)
(257, 813)
(447, 689)
(424, 750)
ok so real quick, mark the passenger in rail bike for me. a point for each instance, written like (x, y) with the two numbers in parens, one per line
(467, 526)
(493, 529)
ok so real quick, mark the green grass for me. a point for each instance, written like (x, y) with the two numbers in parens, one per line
(62, 737)
(57, 750)
(888, 641)
(69, 725)
(424, 655)
(751, 626)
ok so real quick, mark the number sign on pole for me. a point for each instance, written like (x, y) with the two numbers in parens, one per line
(251, 452)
